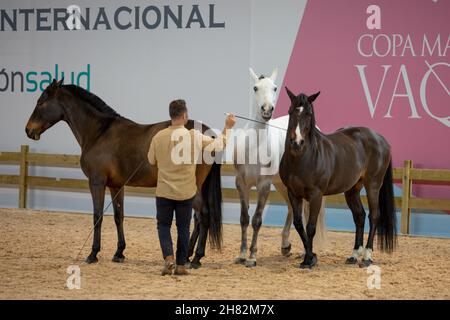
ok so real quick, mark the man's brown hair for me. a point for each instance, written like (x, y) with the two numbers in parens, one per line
(177, 108)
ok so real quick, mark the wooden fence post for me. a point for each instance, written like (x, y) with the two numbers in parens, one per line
(406, 196)
(23, 176)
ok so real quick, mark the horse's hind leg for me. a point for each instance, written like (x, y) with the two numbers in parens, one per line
(263, 193)
(97, 187)
(202, 236)
(201, 219)
(194, 235)
(373, 190)
(117, 195)
(359, 216)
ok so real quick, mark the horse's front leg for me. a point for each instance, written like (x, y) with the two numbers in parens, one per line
(263, 193)
(314, 208)
(117, 195)
(245, 218)
(203, 227)
(285, 244)
(297, 206)
(97, 187)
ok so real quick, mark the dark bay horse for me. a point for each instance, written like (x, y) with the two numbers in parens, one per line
(112, 148)
(314, 165)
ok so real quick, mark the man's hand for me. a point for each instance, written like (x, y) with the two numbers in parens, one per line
(230, 121)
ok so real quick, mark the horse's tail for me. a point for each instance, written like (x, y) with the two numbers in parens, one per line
(387, 226)
(212, 198)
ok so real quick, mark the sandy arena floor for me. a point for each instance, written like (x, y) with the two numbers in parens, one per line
(36, 247)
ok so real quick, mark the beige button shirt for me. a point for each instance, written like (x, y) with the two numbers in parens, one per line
(176, 150)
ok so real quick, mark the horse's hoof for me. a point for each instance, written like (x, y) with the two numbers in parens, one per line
(365, 263)
(306, 265)
(188, 265)
(250, 263)
(309, 264)
(118, 259)
(351, 260)
(286, 251)
(91, 259)
(195, 265)
(240, 260)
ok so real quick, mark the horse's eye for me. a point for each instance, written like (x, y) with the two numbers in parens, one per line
(275, 89)
(255, 88)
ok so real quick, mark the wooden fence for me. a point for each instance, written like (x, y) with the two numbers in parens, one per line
(405, 175)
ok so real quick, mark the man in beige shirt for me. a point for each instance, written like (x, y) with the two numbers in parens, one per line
(175, 151)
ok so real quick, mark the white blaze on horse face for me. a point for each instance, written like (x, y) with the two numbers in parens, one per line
(298, 134)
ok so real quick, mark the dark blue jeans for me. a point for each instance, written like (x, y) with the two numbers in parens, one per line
(164, 216)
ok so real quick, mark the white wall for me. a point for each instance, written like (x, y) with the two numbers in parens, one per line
(138, 72)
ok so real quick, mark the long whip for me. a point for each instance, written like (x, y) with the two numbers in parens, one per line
(257, 121)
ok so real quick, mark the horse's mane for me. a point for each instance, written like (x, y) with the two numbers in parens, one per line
(313, 130)
(93, 100)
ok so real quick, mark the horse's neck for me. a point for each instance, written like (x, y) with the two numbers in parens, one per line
(316, 137)
(261, 129)
(84, 122)
(262, 133)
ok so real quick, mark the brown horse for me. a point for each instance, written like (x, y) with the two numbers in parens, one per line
(315, 164)
(112, 148)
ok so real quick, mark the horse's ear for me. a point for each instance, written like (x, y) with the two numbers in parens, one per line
(51, 87)
(313, 97)
(60, 82)
(274, 74)
(290, 94)
(253, 74)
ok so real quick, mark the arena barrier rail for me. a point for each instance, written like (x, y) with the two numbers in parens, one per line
(405, 175)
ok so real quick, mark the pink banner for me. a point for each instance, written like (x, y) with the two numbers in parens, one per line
(383, 65)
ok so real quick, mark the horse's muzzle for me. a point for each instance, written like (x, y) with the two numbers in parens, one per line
(267, 112)
(33, 133)
(266, 115)
(295, 144)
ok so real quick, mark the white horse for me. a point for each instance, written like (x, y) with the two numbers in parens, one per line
(257, 151)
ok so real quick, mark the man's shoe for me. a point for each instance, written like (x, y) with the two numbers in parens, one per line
(180, 271)
(169, 265)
